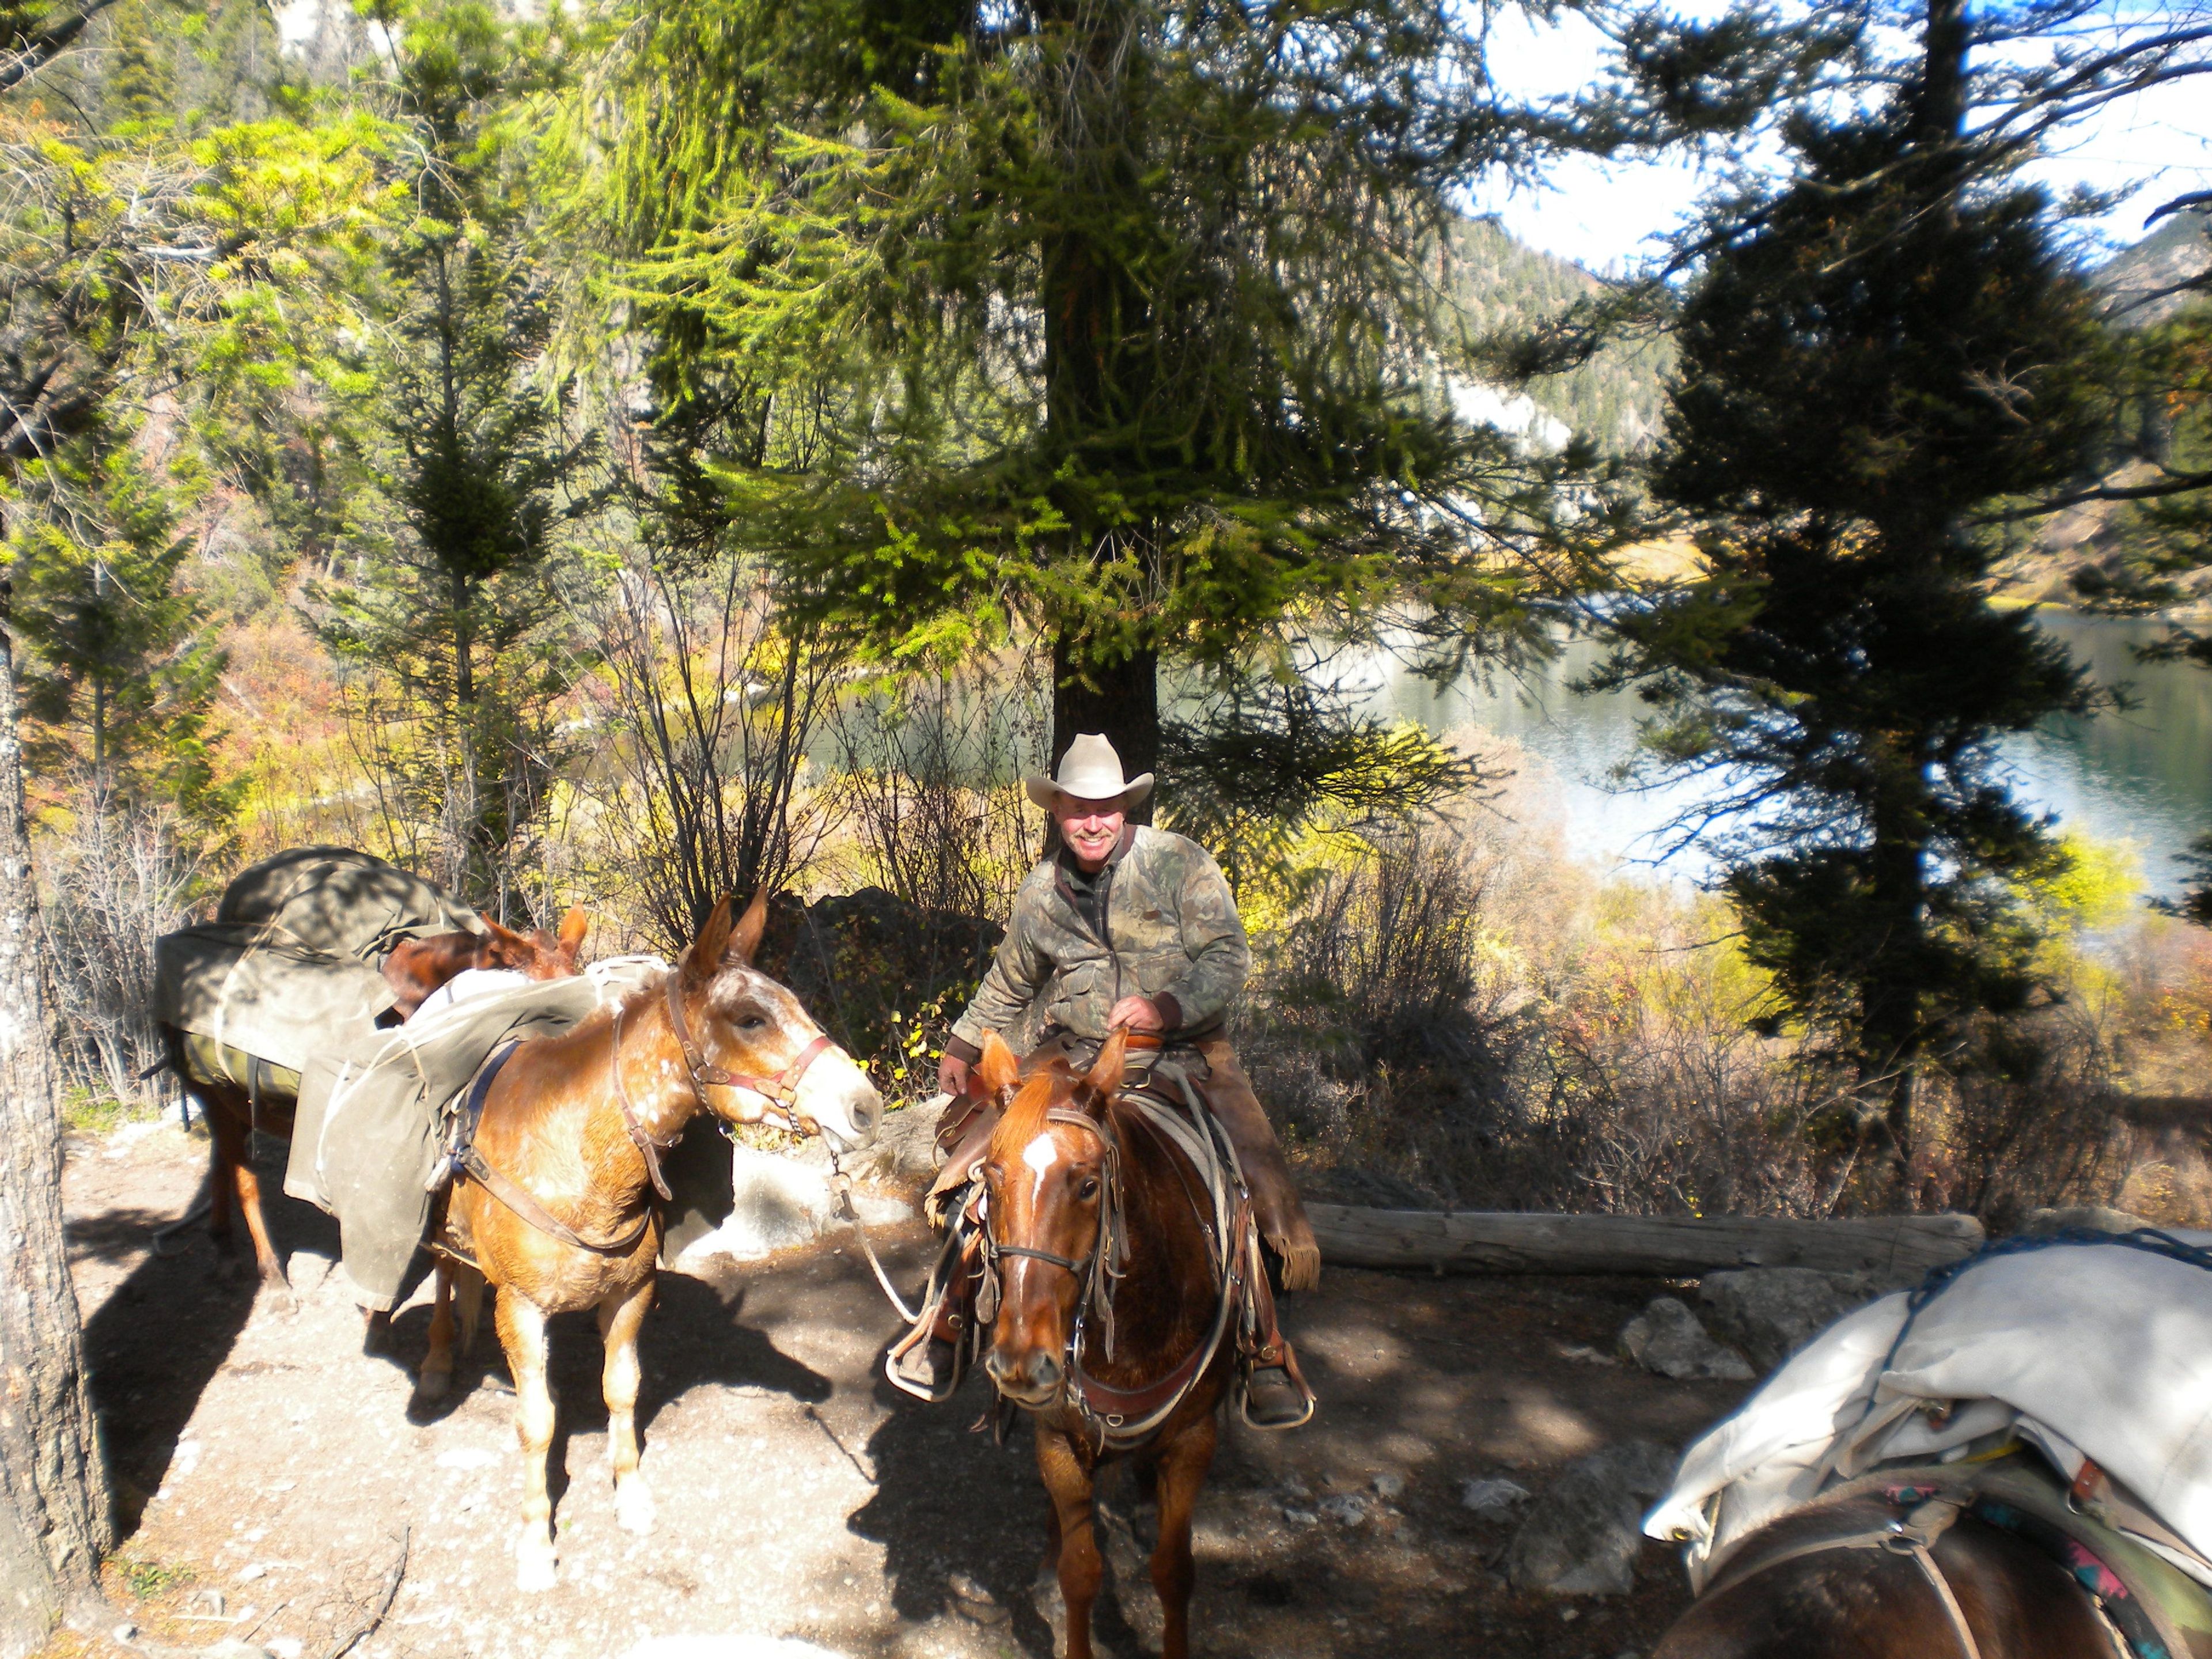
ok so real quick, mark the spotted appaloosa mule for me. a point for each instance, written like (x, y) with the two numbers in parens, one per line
(570, 1130)
(413, 969)
(1794, 1591)
(1068, 1173)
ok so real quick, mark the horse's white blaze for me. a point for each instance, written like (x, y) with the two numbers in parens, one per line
(1040, 1155)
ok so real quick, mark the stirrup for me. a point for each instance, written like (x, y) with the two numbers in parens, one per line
(1242, 1394)
(919, 1333)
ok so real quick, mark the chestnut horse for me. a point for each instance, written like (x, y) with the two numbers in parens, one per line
(1848, 1581)
(1108, 1303)
(556, 1207)
(413, 969)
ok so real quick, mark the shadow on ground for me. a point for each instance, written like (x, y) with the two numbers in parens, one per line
(166, 1329)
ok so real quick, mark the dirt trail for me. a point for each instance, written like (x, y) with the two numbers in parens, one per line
(262, 1457)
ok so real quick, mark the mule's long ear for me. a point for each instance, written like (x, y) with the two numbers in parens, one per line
(516, 945)
(1101, 1082)
(998, 1067)
(747, 938)
(573, 926)
(704, 959)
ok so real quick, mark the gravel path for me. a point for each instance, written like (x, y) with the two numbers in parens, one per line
(265, 1463)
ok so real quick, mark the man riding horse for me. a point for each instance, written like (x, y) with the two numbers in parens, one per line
(1133, 926)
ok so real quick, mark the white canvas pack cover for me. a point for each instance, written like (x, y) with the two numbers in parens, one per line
(2096, 1348)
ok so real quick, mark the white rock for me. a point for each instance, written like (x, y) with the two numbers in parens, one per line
(1346, 1509)
(251, 1571)
(1581, 1537)
(467, 1457)
(729, 1647)
(1389, 1485)
(1667, 1338)
(1492, 1500)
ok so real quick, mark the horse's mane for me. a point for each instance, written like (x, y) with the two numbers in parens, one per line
(1025, 1119)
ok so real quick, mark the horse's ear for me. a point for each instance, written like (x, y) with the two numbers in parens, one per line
(505, 936)
(998, 1067)
(1104, 1077)
(750, 925)
(573, 926)
(704, 959)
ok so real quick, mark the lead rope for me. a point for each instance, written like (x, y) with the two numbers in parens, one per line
(841, 1184)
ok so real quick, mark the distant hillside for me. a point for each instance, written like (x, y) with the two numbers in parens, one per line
(1617, 397)
(2140, 281)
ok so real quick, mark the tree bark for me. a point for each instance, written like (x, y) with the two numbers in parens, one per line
(54, 1506)
(1121, 699)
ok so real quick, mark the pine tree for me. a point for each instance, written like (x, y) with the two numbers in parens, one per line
(120, 678)
(1112, 322)
(1875, 353)
(446, 615)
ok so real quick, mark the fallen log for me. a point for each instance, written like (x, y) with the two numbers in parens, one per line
(1898, 1247)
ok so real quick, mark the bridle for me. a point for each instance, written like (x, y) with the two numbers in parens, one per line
(780, 1089)
(1094, 1275)
(1124, 1418)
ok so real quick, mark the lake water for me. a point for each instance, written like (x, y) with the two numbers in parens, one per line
(2142, 776)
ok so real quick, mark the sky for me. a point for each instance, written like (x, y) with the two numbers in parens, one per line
(1604, 216)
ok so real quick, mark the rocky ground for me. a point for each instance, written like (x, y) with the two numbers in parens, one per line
(273, 1485)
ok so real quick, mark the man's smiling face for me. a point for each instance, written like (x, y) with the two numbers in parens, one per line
(1089, 827)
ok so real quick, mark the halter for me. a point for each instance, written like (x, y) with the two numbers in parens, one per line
(780, 1089)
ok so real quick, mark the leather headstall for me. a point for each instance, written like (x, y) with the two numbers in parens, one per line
(780, 1089)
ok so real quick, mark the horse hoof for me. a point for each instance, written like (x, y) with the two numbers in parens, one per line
(634, 1510)
(535, 1567)
(432, 1385)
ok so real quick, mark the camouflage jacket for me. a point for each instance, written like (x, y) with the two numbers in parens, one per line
(1172, 935)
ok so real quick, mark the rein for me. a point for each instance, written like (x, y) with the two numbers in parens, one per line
(1122, 1417)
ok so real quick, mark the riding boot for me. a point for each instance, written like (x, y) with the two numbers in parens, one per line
(1275, 1392)
(1275, 1203)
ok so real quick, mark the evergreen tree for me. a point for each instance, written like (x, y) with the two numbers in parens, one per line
(121, 677)
(1113, 321)
(1875, 353)
(446, 613)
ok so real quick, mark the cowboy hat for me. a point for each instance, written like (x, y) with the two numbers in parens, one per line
(1089, 770)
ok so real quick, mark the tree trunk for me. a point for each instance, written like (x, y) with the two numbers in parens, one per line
(54, 1512)
(1121, 699)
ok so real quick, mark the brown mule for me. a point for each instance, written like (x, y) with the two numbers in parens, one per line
(1080, 1194)
(570, 1131)
(233, 1112)
(418, 967)
(1854, 1580)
